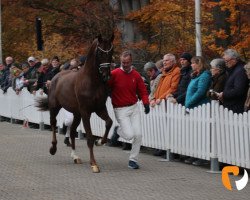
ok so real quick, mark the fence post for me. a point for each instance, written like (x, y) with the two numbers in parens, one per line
(80, 135)
(41, 123)
(169, 155)
(214, 162)
(60, 130)
(41, 126)
(12, 120)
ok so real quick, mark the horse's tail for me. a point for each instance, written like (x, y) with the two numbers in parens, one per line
(42, 103)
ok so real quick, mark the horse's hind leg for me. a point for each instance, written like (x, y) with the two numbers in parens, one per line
(75, 123)
(53, 114)
(90, 142)
(103, 114)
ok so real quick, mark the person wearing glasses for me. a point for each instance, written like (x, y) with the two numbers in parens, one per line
(234, 94)
(218, 71)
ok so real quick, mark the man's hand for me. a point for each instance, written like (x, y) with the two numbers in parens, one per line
(147, 109)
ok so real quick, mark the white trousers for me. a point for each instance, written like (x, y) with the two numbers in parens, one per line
(130, 128)
(68, 120)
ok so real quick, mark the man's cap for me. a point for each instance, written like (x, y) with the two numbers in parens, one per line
(31, 59)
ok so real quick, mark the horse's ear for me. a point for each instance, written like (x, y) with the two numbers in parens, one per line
(99, 38)
(112, 37)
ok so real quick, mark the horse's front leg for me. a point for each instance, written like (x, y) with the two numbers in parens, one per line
(103, 114)
(75, 123)
(90, 142)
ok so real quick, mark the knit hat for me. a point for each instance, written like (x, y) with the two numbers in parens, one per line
(186, 56)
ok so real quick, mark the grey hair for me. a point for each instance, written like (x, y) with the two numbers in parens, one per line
(126, 53)
(159, 64)
(150, 65)
(45, 61)
(231, 53)
(171, 56)
(218, 63)
(247, 66)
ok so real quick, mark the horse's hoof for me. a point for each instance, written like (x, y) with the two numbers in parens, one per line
(95, 169)
(98, 142)
(77, 161)
(52, 150)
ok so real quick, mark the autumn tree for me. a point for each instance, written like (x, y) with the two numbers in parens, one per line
(167, 25)
(235, 29)
(68, 26)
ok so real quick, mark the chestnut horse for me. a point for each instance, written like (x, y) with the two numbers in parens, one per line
(82, 93)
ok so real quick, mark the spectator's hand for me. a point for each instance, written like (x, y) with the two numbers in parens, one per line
(169, 96)
(152, 103)
(41, 92)
(220, 96)
(158, 101)
(147, 108)
(26, 82)
(172, 100)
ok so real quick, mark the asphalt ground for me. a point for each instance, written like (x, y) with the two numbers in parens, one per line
(28, 171)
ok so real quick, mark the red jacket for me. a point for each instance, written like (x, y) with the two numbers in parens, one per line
(125, 87)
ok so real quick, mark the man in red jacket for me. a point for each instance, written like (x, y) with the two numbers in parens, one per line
(126, 85)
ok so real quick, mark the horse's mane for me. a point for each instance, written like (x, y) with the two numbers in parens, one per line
(91, 50)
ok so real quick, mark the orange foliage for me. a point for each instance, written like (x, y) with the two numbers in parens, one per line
(177, 33)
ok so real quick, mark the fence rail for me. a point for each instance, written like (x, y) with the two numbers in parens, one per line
(206, 132)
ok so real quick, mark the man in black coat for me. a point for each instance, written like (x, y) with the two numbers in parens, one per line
(235, 91)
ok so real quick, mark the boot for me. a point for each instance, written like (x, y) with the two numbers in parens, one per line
(67, 142)
(64, 129)
(114, 139)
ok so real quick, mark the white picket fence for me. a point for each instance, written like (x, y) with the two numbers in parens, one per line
(207, 132)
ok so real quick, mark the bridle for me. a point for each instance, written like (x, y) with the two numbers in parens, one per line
(105, 51)
(104, 65)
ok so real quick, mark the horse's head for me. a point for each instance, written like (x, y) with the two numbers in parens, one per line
(104, 54)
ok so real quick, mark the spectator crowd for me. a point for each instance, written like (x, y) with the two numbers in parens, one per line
(189, 81)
